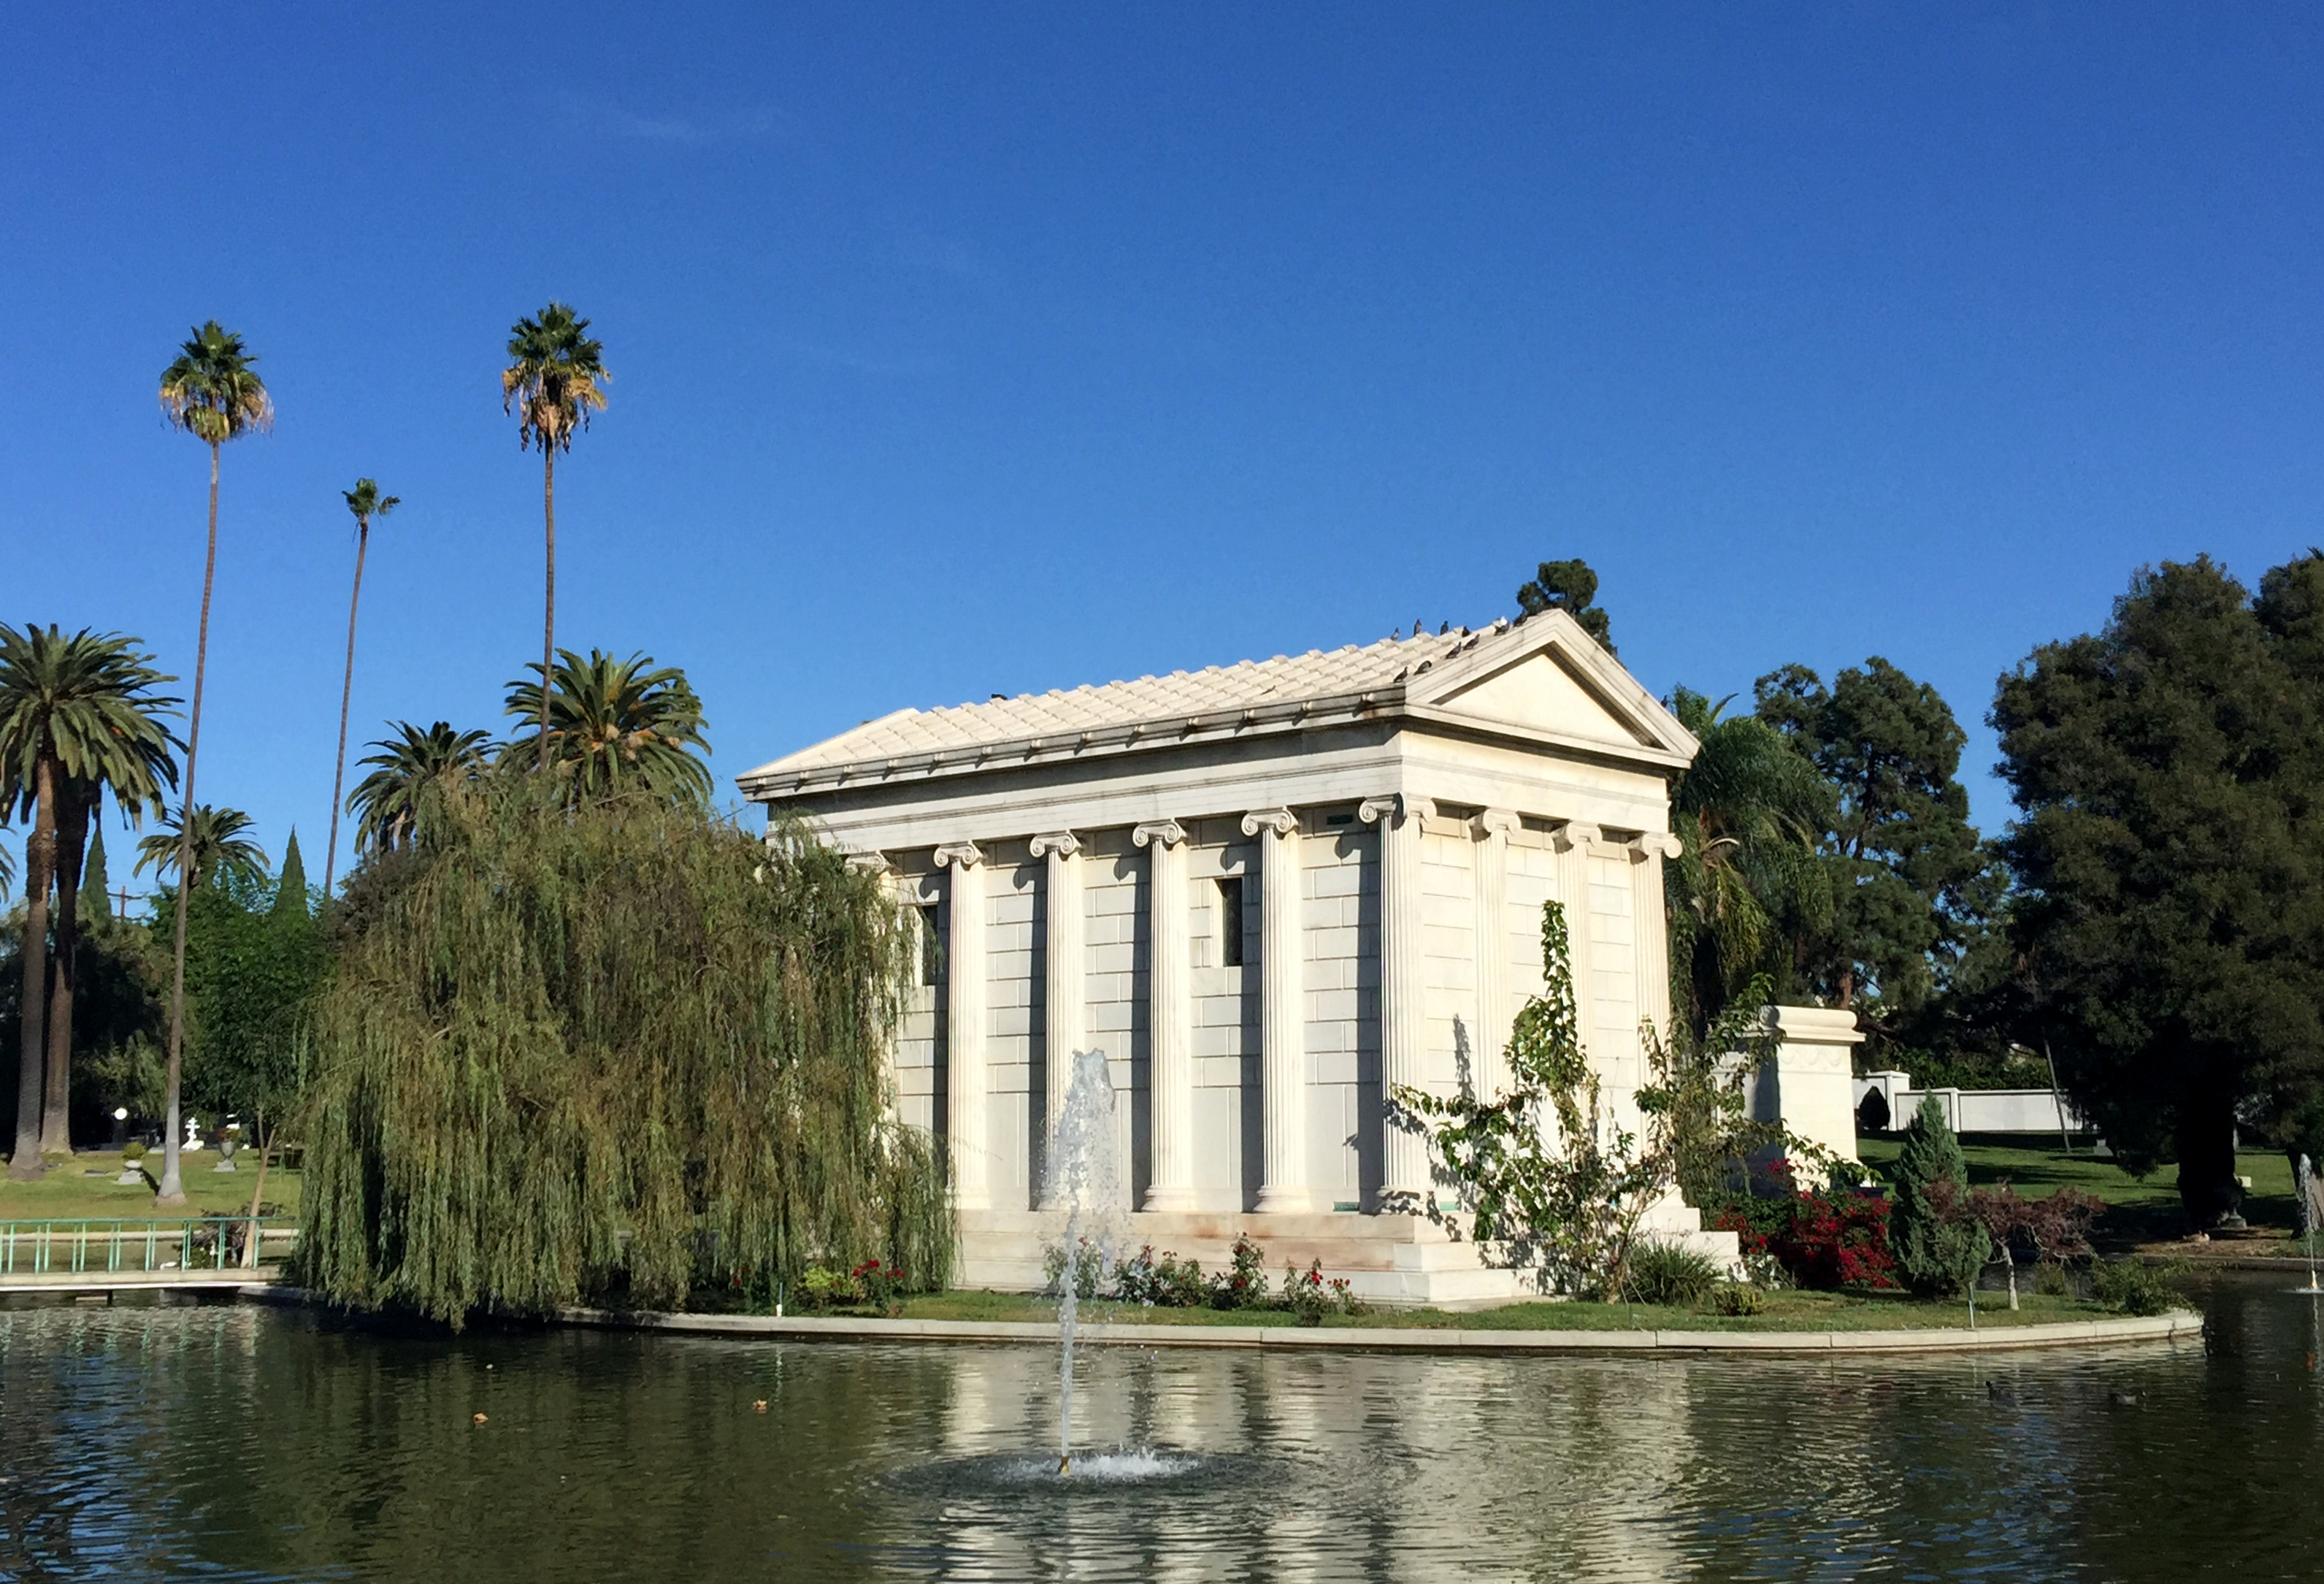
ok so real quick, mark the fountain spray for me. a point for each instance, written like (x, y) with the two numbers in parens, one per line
(1085, 1181)
(2304, 1182)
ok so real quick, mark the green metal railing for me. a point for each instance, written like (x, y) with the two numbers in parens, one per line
(80, 1248)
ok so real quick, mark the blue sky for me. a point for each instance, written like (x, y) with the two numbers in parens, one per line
(974, 350)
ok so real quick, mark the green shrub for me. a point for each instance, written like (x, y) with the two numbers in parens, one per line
(1244, 1285)
(1737, 1298)
(1089, 1268)
(1938, 1244)
(821, 1287)
(2134, 1287)
(1310, 1296)
(1167, 1282)
(131, 1153)
(1667, 1275)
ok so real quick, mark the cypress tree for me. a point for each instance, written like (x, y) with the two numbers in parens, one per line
(291, 890)
(1937, 1253)
(96, 906)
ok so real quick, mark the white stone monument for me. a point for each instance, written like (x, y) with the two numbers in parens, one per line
(1271, 892)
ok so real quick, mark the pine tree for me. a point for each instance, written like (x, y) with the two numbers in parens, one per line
(291, 890)
(1938, 1253)
(96, 905)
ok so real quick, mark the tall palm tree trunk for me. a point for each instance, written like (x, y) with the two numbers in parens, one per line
(173, 1191)
(72, 840)
(548, 617)
(39, 867)
(346, 691)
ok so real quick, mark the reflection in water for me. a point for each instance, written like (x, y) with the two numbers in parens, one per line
(241, 1443)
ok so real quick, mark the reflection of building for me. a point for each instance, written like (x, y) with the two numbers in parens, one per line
(1281, 888)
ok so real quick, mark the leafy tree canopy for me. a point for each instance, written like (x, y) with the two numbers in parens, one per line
(1573, 587)
(221, 848)
(1747, 813)
(1903, 863)
(2170, 855)
(617, 726)
(608, 1052)
(388, 803)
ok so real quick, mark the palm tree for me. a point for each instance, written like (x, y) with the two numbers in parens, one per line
(552, 384)
(387, 803)
(618, 725)
(366, 503)
(213, 394)
(1745, 816)
(214, 841)
(76, 715)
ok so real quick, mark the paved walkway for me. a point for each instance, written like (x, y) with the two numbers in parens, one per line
(109, 1282)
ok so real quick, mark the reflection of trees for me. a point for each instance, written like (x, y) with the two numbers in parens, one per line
(184, 1441)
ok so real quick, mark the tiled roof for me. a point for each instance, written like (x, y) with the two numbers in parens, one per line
(1282, 683)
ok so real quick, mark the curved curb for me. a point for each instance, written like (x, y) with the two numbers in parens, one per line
(2161, 1328)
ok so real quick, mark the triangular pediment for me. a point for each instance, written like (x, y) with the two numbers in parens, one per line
(1560, 685)
(1541, 695)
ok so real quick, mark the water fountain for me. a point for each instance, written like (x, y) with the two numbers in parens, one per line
(2303, 1183)
(1085, 1181)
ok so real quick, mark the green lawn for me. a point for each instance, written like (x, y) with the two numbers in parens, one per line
(85, 1187)
(1786, 1312)
(2138, 1211)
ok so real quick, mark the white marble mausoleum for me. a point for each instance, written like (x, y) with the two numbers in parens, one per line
(1270, 892)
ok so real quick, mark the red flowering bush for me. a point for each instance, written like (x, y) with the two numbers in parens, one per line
(1821, 1240)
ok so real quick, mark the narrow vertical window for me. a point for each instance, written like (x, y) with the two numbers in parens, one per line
(931, 944)
(1230, 921)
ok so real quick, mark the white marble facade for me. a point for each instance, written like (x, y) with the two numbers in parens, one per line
(1270, 892)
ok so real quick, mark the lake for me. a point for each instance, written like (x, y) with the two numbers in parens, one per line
(245, 1443)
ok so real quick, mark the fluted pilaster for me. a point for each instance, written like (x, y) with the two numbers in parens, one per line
(965, 1027)
(1282, 1016)
(1492, 829)
(1170, 1066)
(1404, 1029)
(1062, 1003)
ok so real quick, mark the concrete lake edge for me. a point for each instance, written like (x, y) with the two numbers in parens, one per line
(2174, 1326)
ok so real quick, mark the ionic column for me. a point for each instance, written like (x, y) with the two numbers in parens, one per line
(1170, 1064)
(1573, 843)
(1646, 855)
(1493, 829)
(1062, 999)
(965, 1020)
(1404, 1029)
(1282, 1016)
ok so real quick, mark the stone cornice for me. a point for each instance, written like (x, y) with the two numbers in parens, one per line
(1168, 832)
(1282, 821)
(966, 853)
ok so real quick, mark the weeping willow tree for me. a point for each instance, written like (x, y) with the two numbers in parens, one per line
(609, 1054)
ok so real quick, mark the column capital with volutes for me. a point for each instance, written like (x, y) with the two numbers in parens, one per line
(1282, 821)
(1575, 833)
(1064, 843)
(965, 855)
(1488, 823)
(1168, 832)
(1410, 805)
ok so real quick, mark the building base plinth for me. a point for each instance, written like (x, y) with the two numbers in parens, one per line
(1396, 1261)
